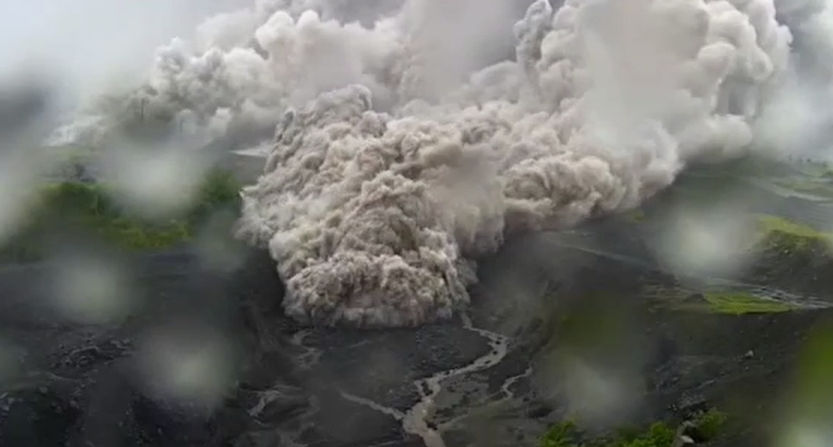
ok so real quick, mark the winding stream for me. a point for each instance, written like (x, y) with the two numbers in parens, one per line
(416, 420)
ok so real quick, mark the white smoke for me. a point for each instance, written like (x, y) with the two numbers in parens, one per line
(241, 71)
(414, 156)
(797, 119)
(372, 217)
(83, 48)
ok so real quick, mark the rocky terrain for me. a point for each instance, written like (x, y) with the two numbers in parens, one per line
(591, 325)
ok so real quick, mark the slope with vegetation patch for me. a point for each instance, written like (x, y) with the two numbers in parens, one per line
(70, 210)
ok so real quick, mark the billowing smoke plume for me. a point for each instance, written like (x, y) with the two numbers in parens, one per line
(242, 70)
(415, 153)
(798, 115)
(372, 216)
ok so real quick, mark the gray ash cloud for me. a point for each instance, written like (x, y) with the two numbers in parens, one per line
(403, 151)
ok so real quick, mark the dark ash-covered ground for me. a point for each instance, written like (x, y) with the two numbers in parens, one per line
(583, 324)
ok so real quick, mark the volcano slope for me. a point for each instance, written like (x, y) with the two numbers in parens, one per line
(606, 325)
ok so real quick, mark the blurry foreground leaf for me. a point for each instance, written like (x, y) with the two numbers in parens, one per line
(707, 426)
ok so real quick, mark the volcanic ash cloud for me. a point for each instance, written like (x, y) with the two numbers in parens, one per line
(375, 212)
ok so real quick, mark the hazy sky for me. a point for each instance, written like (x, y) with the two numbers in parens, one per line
(90, 44)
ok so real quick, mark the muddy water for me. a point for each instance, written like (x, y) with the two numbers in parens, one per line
(417, 419)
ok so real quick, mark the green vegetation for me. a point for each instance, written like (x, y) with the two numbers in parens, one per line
(779, 233)
(704, 427)
(711, 423)
(743, 303)
(774, 224)
(719, 302)
(566, 434)
(219, 190)
(89, 210)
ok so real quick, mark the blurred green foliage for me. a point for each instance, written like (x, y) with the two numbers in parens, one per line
(814, 384)
(707, 426)
(808, 409)
(711, 423)
(566, 434)
(563, 434)
(88, 209)
(727, 302)
(743, 303)
(784, 235)
(220, 189)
